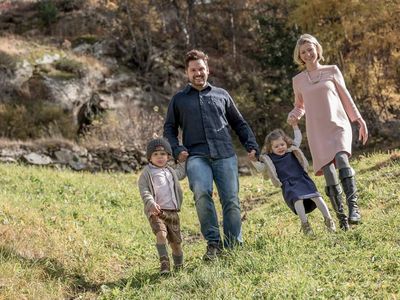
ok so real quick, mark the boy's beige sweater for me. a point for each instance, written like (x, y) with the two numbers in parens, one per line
(147, 190)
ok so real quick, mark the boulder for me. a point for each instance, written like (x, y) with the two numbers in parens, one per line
(37, 159)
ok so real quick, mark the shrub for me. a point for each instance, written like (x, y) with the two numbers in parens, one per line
(70, 5)
(127, 126)
(48, 11)
(85, 39)
(7, 60)
(69, 66)
(35, 119)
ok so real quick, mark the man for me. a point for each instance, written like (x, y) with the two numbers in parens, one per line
(204, 113)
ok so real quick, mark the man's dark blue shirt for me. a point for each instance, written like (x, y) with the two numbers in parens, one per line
(205, 117)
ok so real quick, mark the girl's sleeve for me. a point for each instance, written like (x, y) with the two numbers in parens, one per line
(344, 95)
(297, 137)
(298, 110)
(259, 166)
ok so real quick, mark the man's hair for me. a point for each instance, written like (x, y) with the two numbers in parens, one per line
(195, 55)
(273, 136)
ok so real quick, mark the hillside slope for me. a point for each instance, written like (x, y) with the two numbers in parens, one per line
(66, 235)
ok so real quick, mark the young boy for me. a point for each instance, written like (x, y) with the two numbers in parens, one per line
(162, 197)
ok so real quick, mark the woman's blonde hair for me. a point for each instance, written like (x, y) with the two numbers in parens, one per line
(273, 136)
(303, 39)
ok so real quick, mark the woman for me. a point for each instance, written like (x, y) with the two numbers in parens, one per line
(320, 93)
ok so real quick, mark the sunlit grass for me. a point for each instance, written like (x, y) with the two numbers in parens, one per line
(79, 235)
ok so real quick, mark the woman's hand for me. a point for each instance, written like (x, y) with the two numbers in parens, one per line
(362, 131)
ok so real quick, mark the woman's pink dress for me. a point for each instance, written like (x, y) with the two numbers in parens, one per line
(328, 107)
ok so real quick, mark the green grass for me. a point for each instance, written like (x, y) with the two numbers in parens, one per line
(66, 235)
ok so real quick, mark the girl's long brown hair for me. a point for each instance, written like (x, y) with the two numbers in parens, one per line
(273, 136)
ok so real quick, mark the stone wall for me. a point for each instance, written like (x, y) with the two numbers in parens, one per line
(67, 155)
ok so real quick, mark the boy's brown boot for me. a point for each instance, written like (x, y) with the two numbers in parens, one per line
(306, 228)
(330, 225)
(165, 267)
(178, 262)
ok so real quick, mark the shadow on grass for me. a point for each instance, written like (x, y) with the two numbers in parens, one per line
(77, 283)
(394, 158)
(144, 277)
(250, 203)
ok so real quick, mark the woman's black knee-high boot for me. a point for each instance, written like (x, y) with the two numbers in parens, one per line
(334, 192)
(348, 181)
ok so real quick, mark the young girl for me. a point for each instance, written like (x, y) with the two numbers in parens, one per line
(285, 164)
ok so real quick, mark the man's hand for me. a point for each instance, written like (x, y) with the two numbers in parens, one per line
(252, 155)
(183, 156)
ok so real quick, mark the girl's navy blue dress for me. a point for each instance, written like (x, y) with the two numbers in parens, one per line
(296, 184)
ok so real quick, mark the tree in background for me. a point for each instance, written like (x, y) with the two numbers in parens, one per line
(267, 94)
(250, 45)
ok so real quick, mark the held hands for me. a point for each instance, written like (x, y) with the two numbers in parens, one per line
(183, 156)
(293, 121)
(362, 131)
(252, 155)
(155, 210)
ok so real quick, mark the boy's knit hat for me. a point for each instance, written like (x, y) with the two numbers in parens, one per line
(158, 145)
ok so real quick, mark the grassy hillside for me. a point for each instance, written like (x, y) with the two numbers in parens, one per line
(67, 235)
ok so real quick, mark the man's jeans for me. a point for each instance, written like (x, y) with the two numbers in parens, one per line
(201, 172)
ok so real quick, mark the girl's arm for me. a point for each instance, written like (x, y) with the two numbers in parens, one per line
(258, 165)
(297, 136)
(292, 120)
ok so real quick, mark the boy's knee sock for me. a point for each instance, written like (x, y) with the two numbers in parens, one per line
(162, 250)
(178, 259)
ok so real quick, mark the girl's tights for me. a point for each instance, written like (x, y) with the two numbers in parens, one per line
(299, 207)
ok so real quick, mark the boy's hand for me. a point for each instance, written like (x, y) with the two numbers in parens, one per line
(155, 209)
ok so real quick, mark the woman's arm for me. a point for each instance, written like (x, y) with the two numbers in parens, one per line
(349, 105)
(298, 111)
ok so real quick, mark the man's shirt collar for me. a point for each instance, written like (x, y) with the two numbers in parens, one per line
(189, 87)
